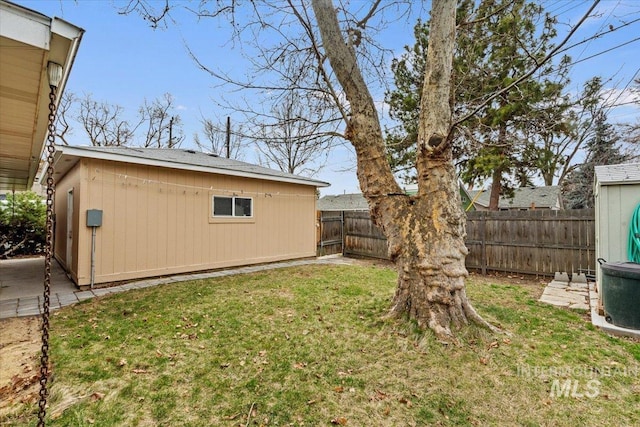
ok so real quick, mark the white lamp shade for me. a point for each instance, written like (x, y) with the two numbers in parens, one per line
(55, 73)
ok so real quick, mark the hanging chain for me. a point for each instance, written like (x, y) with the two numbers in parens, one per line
(44, 358)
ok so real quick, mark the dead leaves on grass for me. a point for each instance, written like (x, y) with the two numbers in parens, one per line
(96, 395)
(253, 413)
(379, 395)
(186, 326)
(405, 402)
(261, 358)
(493, 345)
(19, 383)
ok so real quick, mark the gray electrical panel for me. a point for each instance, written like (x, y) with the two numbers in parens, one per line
(94, 218)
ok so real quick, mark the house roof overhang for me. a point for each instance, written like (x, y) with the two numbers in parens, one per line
(28, 42)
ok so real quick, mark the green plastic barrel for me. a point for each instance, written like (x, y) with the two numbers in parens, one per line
(621, 293)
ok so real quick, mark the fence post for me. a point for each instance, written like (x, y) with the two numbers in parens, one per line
(483, 250)
(319, 234)
(342, 232)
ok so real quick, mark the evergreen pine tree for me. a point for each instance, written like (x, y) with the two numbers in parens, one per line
(602, 149)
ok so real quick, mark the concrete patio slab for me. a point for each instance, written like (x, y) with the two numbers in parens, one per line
(565, 294)
(103, 291)
(24, 277)
(28, 312)
(67, 299)
(84, 295)
(557, 285)
(8, 311)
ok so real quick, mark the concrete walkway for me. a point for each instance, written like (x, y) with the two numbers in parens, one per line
(22, 288)
(565, 293)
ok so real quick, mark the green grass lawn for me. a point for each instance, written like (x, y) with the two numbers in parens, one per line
(310, 346)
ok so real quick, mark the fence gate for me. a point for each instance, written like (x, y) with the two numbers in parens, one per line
(330, 232)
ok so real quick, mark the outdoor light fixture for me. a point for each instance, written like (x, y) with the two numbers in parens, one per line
(55, 73)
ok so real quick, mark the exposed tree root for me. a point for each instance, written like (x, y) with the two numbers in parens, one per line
(441, 315)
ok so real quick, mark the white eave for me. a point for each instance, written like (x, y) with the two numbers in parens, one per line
(28, 42)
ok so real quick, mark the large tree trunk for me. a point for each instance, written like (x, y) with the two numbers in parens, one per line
(496, 189)
(429, 251)
(425, 232)
(496, 178)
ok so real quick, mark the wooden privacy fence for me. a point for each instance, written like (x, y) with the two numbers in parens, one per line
(329, 232)
(538, 242)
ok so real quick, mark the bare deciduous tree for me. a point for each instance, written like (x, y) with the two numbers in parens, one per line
(292, 143)
(64, 115)
(425, 231)
(106, 126)
(103, 123)
(163, 129)
(214, 140)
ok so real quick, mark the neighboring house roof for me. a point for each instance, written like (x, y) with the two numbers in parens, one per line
(343, 202)
(617, 174)
(177, 159)
(523, 198)
(356, 201)
(29, 41)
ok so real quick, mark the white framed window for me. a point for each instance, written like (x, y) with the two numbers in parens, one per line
(232, 207)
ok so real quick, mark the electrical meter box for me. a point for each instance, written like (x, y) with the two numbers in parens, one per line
(94, 218)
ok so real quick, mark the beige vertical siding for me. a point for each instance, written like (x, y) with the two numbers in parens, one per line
(157, 221)
(71, 181)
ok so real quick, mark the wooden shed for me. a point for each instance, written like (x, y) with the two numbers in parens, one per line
(617, 194)
(129, 213)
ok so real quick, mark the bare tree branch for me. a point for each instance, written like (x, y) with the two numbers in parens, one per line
(164, 129)
(215, 140)
(363, 22)
(63, 115)
(104, 124)
(292, 143)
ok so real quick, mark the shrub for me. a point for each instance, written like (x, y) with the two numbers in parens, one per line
(22, 225)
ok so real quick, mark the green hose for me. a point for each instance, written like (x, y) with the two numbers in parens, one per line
(634, 237)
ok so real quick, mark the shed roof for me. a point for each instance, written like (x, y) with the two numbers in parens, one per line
(628, 173)
(523, 198)
(67, 156)
(343, 202)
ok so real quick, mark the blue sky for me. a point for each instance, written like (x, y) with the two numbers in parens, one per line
(123, 61)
